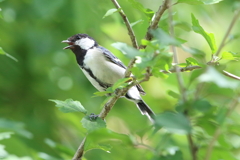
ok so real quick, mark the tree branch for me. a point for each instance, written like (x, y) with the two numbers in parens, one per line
(183, 69)
(155, 21)
(235, 18)
(190, 68)
(218, 131)
(129, 67)
(78, 155)
(193, 148)
(230, 75)
(121, 92)
(175, 56)
(127, 23)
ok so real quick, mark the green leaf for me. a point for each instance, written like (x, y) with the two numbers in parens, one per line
(148, 12)
(233, 37)
(59, 147)
(173, 94)
(16, 127)
(151, 44)
(121, 83)
(195, 74)
(134, 23)
(111, 11)
(127, 50)
(69, 105)
(192, 61)
(195, 52)
(202, 105)
(229, 56)
(103, 138)
(104, 93)
(212, 75)
(6, 54)
(1, 13)
(164, 38)
(183, 25)
(198, 2)
(221, 115)
(2, 51)
(158, 74)
(45, 156)
(3, 153)
(92, 125)
(89, 145)
(209, 37)
(173, 122)
(174, 154)
(192, 2)
(5, 135)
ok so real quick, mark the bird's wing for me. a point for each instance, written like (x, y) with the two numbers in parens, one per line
(110, 57)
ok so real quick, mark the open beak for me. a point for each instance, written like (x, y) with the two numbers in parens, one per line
(68, 42)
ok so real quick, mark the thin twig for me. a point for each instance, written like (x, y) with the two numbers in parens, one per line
(175, 59)
(127, 23)
(129, 67)
(230, 75)
(120, 92)
(142, 145)
(218, 131)
(191, 68)
(155, 21)
(109, 105)
(193, 148)
(181, 69)
(235, 18)
(78, 155)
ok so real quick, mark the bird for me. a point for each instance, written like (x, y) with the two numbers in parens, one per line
(102, 68)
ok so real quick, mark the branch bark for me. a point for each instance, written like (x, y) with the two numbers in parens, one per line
(78, 155)
(127, 23)
(155, 21)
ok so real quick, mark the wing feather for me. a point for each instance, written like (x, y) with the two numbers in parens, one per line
(111, 58)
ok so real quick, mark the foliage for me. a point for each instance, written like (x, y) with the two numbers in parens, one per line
(197, 111)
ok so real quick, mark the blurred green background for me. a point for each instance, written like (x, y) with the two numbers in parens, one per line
(32, 31)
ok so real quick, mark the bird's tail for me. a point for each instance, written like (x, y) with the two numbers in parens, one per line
(145, 110)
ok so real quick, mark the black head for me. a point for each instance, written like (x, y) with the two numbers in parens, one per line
(83, 41)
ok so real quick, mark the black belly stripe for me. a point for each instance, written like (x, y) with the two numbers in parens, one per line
(104, 85)
(80, 55)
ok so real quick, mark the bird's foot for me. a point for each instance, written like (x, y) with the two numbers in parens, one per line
(93, 117)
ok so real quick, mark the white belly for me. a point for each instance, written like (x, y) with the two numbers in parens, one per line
(104, 71)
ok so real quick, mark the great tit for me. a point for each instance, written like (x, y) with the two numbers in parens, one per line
(103, 69)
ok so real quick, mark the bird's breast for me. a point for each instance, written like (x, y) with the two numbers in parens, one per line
(105, 71)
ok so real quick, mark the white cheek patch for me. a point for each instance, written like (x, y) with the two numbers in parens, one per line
(85, 43)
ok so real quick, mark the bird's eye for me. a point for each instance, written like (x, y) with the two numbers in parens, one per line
(78, 37)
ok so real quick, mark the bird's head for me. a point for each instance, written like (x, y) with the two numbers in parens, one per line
(80, 40)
